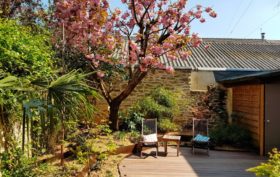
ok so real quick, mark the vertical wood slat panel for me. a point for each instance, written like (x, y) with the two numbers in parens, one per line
(247, 103)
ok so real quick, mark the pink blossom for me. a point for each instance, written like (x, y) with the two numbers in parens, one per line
(167, 45)
(187, 31)
(213, 14)
(198, 14)
(208, 9)
(125, 15)
(118, 11)
(90, 56)
(185, 55)
(169, 69)
(95, 63)
(133, 46)
(100, 74)
(131, 23)
(156, 50)
(147, 59)
(103, 31)
(171, 57)
(96, 2)
(202, 20)
(109, 26)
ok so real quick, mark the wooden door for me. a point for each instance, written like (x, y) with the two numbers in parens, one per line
(272, 116)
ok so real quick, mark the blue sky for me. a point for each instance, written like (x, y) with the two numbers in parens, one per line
(236, 18)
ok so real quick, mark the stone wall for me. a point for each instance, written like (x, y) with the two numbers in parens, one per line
(178, 82)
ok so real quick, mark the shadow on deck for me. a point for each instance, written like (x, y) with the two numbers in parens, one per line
(218, 164)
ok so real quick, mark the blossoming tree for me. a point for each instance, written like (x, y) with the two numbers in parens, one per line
(129, 43)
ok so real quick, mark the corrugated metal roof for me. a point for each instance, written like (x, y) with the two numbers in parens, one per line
(231, 54)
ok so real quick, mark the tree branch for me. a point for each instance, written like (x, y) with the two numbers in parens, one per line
(134, 11)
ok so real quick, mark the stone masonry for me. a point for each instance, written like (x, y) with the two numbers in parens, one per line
(177, 82)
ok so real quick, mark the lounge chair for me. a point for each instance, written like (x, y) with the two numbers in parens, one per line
(149, 135)
(200, 135)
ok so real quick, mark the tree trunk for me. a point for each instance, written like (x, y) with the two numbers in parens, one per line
(116, 102)
(114, 115)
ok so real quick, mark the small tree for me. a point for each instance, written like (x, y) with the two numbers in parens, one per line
(23, 57)
(130, 43)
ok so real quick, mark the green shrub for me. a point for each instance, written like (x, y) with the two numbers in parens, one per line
(15, 164)
(166, 125)
(132, 122)
(149, 107)
(270, 168)
(159, 104)
(230, 134)
(164, 97)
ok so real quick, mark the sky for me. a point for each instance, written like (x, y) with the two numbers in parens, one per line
(236, 18)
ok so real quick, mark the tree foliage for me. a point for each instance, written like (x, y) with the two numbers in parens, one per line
(24, 54)
(24, 58)
(152, 29)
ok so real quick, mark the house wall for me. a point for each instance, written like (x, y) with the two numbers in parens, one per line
(178, 82)
(201, 79)
(247, 105)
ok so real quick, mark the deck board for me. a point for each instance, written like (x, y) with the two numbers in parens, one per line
(218, 164)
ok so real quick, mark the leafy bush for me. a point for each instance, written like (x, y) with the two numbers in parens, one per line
(149, 107)
(270, 168)
(159, 104)
(231, 134)
(132, 122)
(165, 125)
(164, 97)
(15, 164)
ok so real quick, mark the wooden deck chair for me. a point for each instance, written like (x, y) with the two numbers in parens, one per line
(149, 134)
(200, 135)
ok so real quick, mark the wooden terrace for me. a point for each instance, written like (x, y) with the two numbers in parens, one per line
(218, 164)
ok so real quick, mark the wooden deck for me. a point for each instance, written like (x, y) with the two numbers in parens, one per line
(218, 164)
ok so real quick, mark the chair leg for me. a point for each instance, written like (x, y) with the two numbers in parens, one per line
(157, 151)
(193, 149)
(141, 149)
(208, 149)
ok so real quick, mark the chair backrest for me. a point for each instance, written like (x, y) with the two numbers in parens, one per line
(200, 126)
(149, 126)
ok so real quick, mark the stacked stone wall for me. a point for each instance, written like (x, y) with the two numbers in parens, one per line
(177, 82)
